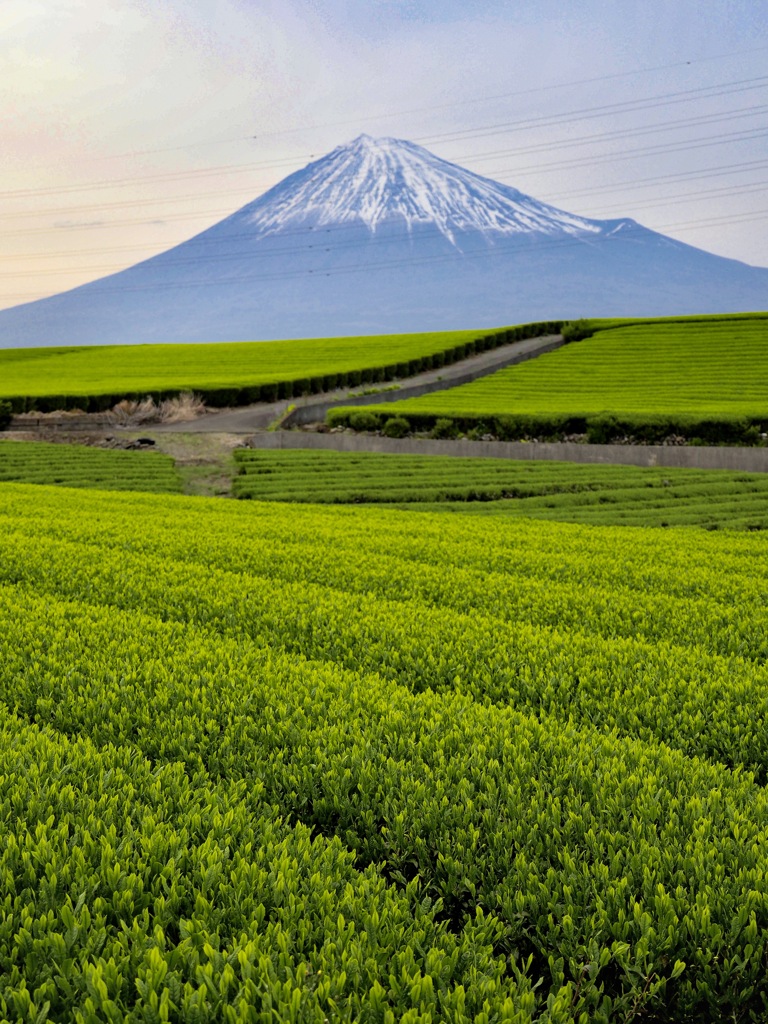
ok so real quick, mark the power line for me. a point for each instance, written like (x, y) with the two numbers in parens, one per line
(712, 172)
(711, 140)
(391, 115)
(538, 148)
(641, 183)
(749, 189)
(485, 252)
(729, 88)
(690, 197)
(609, 109)
(522, 92)
(744, 218)
(624, 133)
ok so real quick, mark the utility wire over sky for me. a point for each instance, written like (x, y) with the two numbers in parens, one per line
(97, 178)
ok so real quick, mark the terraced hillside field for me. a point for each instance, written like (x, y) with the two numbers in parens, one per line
(672, 375)
(94, 378)
(267, 762)
(566, 491)
(75, 465)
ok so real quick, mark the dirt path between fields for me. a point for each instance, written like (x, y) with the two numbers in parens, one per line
(203, 447)
(312, 408)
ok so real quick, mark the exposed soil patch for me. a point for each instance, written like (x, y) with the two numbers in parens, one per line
(204, 461)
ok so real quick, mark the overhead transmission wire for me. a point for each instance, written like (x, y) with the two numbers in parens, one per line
(521, 92)
(487, 252)
(351, 268)
(609, 109)
(541, 147)
(499, 249)
(689, 197)
(697, 175)
(744, 85)
(628, 107)
(625, 133)
(675, 147)
(431, 108)
(642, 183)
(749, 189)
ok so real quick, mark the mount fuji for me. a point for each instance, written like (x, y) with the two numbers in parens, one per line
(382, 236)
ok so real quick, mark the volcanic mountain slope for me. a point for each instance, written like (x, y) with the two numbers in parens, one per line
(382, 236)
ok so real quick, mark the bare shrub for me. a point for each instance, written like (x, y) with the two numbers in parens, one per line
(181, 409)
(130, 412)
(186, 406)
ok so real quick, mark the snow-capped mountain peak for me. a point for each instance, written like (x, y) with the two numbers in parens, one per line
(375, 180)
(382, 237)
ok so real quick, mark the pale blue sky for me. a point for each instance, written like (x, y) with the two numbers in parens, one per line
(128, 125)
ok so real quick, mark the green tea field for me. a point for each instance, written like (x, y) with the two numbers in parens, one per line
(267, 762)
(94, 378)
(705, 376)
(602, 494)
(40, 462)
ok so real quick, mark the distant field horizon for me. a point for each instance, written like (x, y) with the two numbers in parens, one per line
(239, 371)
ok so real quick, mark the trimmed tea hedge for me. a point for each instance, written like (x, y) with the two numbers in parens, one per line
(699, 378)
(74, 465)
(266, 762)
(232, 374)
(550, 490)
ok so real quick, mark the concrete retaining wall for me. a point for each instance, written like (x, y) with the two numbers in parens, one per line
(74, 425)
(751, 460)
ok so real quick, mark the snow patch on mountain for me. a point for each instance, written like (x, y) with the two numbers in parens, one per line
(382, 237)
(372, 181)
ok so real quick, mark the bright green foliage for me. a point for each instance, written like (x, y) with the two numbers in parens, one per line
(40, 462)
(395, 426)
(225, 374)
(683, 373)
(133, 892)
(545, 745)
(546, 490)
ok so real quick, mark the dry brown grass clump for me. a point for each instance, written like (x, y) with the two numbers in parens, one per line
(186, 406)
(181, 409)
(130, 412)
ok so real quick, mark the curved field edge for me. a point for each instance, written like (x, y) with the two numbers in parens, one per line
(223, 374)
(627, 873)
(697, 378)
